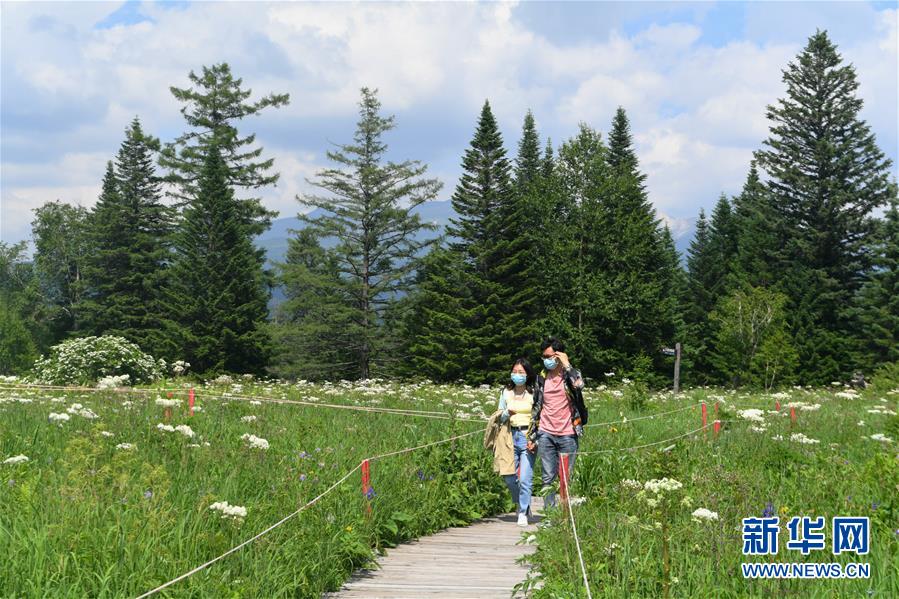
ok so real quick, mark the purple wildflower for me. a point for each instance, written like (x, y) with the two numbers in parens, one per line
(148, 494)
(370, 494)
(302, 477)
(769, 510)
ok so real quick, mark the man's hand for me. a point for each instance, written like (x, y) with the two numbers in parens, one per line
(563, 358)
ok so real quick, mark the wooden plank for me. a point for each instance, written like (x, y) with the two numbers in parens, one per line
(477, 561)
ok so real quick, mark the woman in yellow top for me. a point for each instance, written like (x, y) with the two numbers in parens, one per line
(515, 403)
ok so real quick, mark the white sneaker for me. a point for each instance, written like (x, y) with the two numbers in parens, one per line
(522, 519)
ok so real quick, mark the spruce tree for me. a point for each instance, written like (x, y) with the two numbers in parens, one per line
(524, 220)
(129, 234)
(827, 175)
(442, 346)
(218, 294)
(528, 162)
(878, 299)
(760, 233)
(379, 239)
(313, 328)
(722, 247)
(468, 284)
(634, 258)
(700, 271)
(212, 108)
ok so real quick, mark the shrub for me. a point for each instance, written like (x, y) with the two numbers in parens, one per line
(89, 359)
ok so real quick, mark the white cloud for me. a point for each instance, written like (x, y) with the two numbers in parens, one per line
(696, 109)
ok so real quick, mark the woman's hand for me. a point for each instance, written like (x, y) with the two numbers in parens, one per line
(531, 446)
(563, 358)
(512, 412)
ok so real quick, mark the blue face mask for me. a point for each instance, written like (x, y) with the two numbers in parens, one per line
(549, 363)
(519, 379)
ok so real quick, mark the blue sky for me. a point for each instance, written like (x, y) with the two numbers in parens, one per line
(694, 77)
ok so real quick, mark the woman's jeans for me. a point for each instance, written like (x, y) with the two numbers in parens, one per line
(520, 486)
(550, 447)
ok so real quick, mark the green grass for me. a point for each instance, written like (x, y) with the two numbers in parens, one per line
(738, 474)
(82, 518)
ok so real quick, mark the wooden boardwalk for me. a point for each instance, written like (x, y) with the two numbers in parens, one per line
(471, 562)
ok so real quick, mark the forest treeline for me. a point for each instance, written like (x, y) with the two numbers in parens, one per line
(792, 280)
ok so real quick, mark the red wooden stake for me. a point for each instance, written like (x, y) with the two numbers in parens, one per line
(563, 479)
(777, 405)
(716, 407)
(366, 484)
(190, 401)
(704, 415)
(717, 427)
(168, 414)
(793, 415)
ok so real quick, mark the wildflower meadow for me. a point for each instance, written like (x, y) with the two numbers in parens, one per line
(134, 487)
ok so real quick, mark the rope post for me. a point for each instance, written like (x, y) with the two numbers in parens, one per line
(705, 415)
(366, 486)
(563, 479)
(716, 408)
(168, 414)
(793, 414)
(717, 428)
(777, 405)
(190, 402)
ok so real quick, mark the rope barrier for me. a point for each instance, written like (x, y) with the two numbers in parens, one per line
(647, 417)
(564, 472)
(687, 434)
(264, 399)
(291, 515)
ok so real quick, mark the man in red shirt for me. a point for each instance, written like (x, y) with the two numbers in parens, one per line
(559, 414)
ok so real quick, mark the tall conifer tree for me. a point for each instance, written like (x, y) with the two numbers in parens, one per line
(369, 212)
(827, 175)
(218, 294)
(130, 240)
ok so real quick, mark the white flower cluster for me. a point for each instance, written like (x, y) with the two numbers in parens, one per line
(881, 437)
(54, 417)
(250, 418)
(223, 379)
(92, 358)
(80, 410)
(107, 434)
(800, 438)
(180, 367)
(16, 459)
(181, 428)
(4, 400)
(804, 406)
(168, 403)
(881, 410)
(752, 415)
(8, 378)
(702, 513)
(846, 394)
(125, 446)
(235, 512)
(659, 486)
(630, 483)
(111, 382)
(254, 441)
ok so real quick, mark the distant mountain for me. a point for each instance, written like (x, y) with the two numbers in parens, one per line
(274, 241)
